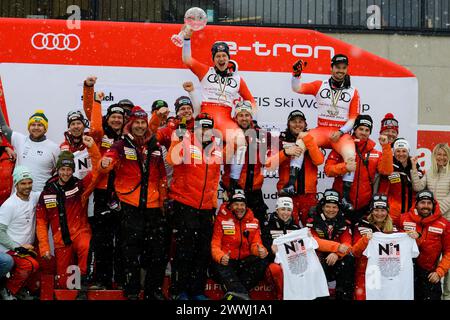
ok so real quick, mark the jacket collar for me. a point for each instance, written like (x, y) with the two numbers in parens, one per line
(416, 217)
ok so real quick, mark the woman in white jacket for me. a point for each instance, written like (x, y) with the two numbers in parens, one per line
(437, 179)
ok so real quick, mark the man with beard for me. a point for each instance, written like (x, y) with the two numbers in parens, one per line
(279, 223)
(338, 106)
(327, 221)
(17, 233)
(221, 84)
(369, 163)
(164, 127)
(196, 158)
(237, 249)
(433, 242)
(34, 151)
(141, 186)
(305, 180)
(250, 176)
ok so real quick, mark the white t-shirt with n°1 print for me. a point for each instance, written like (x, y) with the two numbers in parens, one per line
(303, 275)
(390, 271)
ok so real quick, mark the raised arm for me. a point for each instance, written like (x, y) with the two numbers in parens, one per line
(88, 95)
(199, 69)
(7, 131)
(194, 95)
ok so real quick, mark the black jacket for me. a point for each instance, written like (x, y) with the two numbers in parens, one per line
(273, 228)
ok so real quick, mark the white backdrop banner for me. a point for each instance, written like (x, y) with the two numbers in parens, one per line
(141, 64)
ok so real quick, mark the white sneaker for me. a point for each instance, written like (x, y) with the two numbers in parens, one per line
(6, 295)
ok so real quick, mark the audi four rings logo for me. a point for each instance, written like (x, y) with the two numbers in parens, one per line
(55, 41)
(214, 78)
(345, 96)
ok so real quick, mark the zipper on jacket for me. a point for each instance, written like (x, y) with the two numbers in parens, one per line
(204, 186)
(403, 194)
(240, 245)
(357, 183)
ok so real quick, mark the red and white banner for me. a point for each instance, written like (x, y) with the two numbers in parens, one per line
(43, 65)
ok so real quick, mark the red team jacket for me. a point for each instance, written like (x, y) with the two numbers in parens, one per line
(196, 173)
(7, 168)
(47, 212)
(127, 162)
(253, 163)
(434, 239)
(229, 235)
(361, 190)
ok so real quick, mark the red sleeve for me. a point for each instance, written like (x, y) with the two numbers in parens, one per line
(359, 247)
(162, 187)
(326, 245)
(257, 242)
(42, 226)
(64, 146)
(164, 136)
(316, 155)
(199, 69)
(335, 166)
(354, 106)
(275, 157)
(4, 142)
(175, 153)
(88, 99)
(112, 153)
(444, 264)
(346, 237)
(246, 94)
(313, 231)
(386, 161)
(311, 88)
(384, 185)
(96, 130)
(216, 242)
(356, 235)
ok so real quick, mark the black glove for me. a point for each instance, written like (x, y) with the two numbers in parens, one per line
(297, 68)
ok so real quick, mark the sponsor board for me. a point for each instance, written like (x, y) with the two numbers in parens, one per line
(46, 64)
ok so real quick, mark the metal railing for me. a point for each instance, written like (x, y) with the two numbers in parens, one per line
(405, 16)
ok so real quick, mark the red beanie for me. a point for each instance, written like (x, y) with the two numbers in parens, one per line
(389, 122)
(138, 113)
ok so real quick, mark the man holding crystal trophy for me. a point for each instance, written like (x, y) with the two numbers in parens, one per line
(222, 88)
(221, 84)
